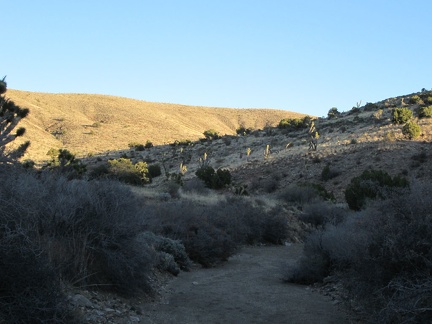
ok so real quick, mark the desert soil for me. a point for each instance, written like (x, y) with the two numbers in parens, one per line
(246, 289)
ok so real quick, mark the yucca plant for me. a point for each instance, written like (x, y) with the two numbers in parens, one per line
(10, 116)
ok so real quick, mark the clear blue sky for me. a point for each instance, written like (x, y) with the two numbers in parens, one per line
(303, 56)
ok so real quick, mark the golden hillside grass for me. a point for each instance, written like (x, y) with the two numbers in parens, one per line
(87, 123)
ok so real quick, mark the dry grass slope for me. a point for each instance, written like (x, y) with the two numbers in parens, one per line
(86, 123)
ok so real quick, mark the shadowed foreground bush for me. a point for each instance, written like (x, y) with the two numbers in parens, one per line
(87, 229)
(382, 255)
(29, 287)
(212, 233)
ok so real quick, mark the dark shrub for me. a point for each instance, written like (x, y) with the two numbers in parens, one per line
(321, 213)
(195, 185)
(88, 229)
(154, 170)
(148, 144)
(333, 113)
(214, 179)
(328, 173)
(313, 266)
(371, 184)
(30, 289)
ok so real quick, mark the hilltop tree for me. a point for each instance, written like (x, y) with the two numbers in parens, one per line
(10, 116)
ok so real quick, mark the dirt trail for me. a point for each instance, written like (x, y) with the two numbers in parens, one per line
(246, 289)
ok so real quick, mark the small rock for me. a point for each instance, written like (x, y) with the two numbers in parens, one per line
(80, 300)
(195, 283)
(134, 319)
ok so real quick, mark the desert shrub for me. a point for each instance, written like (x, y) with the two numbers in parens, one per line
(329, 173)
(30, 288)
(148, 144)
(313, 266)
(425, 112)
(172, 253)
(370, 106)
(242, 130)
(195, 185)
(65, 162)
(154, 170)
(211, 234)
(184, 221)
(414, 99)
(411, 130)
(125, 171)
(299, 194)
(137, 146)
(275, 227)
(88, 229)
(211, 134)
(401, 115)
(270, 185)
(321, 213)
(99, 172)
(382, 256)
(371, 184)
(214, 179)
(333, 113)
(295, 123)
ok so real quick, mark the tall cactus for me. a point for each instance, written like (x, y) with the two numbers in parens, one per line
(10, 116)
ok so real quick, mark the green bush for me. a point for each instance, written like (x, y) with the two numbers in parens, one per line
(411, 130)
(124, 170)
(214, 179)
(371, 184)
(137, 146)
(295, 123)
(401, 115)
(211, 134)
(425, 112)
(414, 99)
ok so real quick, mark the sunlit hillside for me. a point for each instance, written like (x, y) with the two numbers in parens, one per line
(86, 123)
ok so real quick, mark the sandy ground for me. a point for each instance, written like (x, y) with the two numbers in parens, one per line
(246, 289)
